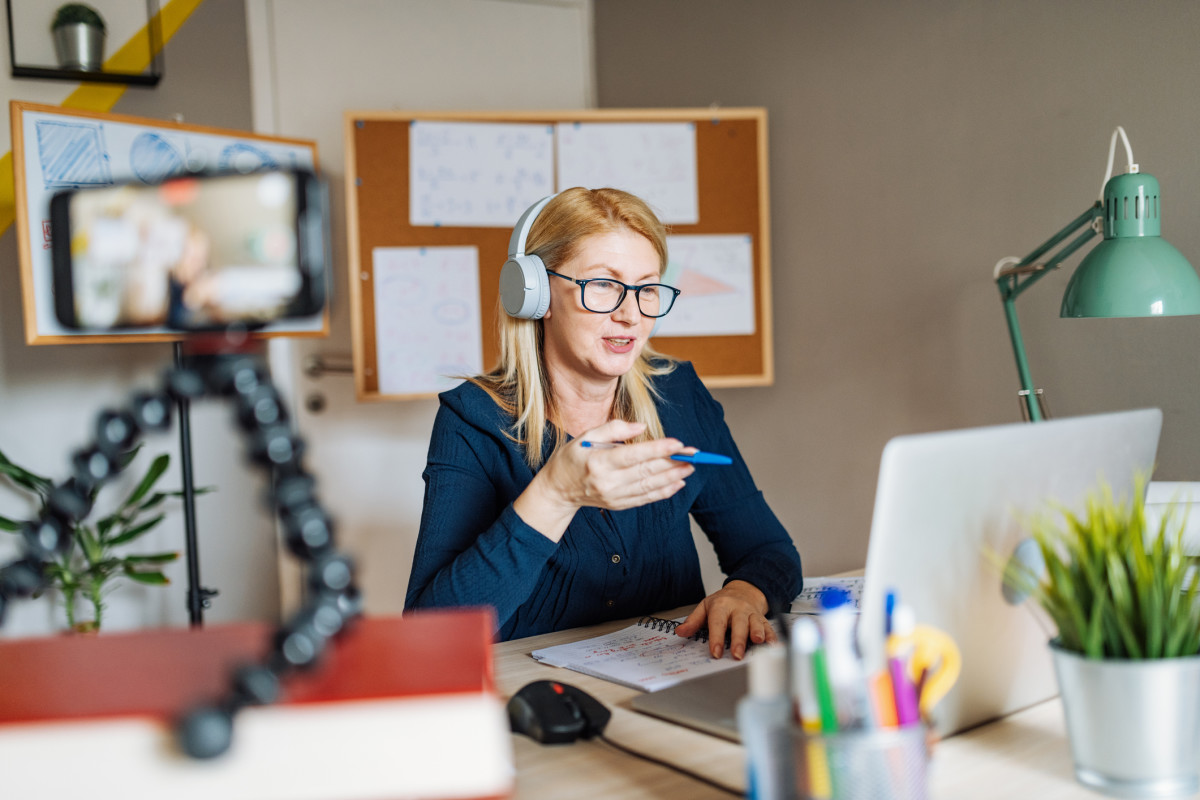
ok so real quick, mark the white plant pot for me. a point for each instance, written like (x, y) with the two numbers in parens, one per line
(1134, 725)
(79, 46)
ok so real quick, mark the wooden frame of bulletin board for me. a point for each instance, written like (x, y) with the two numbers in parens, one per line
(56, 148)
(731, 199)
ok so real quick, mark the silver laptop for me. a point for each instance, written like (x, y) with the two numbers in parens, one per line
(943, 502)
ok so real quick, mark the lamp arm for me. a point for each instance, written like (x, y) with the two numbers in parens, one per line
(1014, 280)
(1032, 402)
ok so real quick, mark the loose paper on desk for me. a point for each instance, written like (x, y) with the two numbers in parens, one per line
(809, 599)
(654, 160)
(427, 326)
(715, 272)
(639, 657)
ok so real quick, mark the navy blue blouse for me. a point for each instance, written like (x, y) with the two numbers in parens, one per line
(473, 548)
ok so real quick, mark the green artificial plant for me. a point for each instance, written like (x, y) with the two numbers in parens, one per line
(77, 13)
(1114, 588)
(86, 570)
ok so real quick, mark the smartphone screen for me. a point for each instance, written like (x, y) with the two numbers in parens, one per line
(193, 253)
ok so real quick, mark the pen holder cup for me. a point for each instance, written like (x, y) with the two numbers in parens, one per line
(862, 765)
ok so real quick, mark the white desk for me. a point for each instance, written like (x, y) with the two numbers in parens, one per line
(1025, 755)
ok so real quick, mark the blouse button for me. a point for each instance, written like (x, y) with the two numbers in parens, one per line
(616, 559)
(610, 603)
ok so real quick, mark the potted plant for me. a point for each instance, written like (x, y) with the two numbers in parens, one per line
(1127, 654)
(87, 570)
(78, 31)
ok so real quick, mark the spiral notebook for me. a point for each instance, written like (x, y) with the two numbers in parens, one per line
(646, 655)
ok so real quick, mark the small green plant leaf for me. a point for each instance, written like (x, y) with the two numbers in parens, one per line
(24, 478)
(150, 558)
(135, 532)
(152, 501)
(150, 578)
(129, 455)
(7, 524)
(92, 550)
(157, 468)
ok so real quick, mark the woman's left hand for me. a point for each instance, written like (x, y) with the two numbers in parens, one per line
(738, 609)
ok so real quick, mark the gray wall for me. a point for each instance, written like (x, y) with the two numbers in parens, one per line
(913, 144)
(49, 395)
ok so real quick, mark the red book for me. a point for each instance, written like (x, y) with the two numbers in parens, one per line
(399, 708)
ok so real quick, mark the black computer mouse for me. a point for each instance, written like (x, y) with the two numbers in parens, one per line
(555, 713)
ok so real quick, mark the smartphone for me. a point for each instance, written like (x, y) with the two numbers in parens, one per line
(194, 253)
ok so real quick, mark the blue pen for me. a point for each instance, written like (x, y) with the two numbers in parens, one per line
(695, 458)
(704, 458)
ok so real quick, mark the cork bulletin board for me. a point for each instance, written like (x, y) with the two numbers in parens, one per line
(386, 215)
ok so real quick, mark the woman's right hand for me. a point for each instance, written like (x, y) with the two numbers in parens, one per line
(606, 477)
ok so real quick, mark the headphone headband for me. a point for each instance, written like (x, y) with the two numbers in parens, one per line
(516, 243)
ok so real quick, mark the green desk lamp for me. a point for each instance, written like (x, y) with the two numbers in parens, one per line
(1132, 273)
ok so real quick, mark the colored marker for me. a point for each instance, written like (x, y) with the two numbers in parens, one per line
(883, 700)
(805, 641)
(899, 652)
(699, 457)
(845, 670)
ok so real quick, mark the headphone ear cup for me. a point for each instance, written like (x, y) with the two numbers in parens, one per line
(524, 287)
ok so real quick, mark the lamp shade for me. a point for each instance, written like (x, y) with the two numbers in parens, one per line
(1133, 272)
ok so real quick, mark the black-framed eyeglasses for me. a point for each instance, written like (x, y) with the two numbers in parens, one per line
(605, 295)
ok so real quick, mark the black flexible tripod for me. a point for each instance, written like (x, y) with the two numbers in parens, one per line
(332, 599)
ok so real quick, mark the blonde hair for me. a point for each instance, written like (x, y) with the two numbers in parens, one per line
(519, 383)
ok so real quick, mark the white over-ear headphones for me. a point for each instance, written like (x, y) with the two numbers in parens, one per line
(524, 284)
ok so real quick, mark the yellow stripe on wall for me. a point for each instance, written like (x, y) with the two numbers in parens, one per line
(135, 56)
(8, 208)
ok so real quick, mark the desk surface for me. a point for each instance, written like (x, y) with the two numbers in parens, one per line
(1023, 755)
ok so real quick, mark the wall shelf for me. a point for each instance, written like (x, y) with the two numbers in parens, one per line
(92, 76)
(152, 31)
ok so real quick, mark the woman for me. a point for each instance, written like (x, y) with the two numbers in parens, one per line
(520, 515)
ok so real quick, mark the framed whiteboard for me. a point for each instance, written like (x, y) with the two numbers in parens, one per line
(56, 148)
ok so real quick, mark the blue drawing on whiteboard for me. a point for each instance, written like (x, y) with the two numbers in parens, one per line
(244, 157)
(196, 158)
(72, 154)
(153, 158)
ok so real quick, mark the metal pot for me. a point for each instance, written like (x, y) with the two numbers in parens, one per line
(79, 46)
(1134, 725)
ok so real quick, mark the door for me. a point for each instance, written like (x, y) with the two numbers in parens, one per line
(312, 60)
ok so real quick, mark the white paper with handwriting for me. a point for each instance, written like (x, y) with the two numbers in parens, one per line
(647, 656)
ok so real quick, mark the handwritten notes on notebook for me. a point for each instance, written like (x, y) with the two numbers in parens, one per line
(647, 656)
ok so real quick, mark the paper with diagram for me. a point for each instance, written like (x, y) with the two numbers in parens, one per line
(715, 273)
(427, 320)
